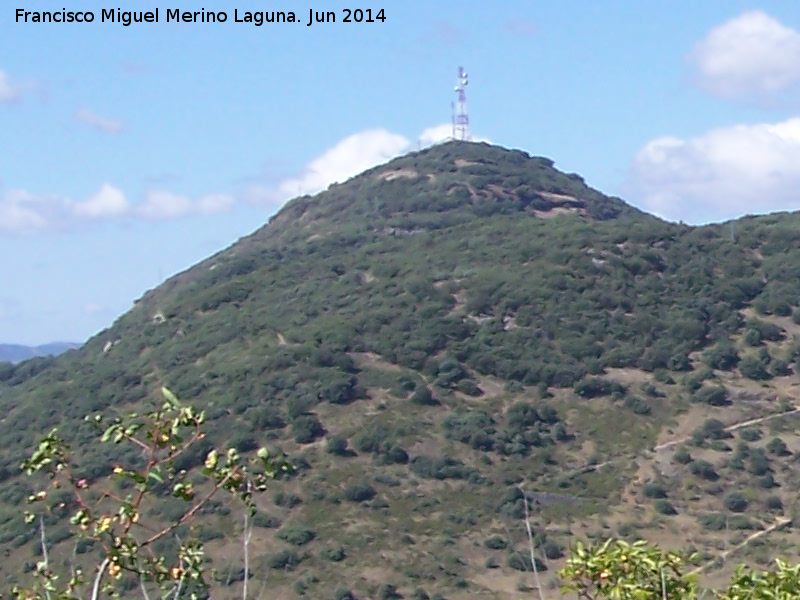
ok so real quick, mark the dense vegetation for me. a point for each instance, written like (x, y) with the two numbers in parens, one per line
(464, 322)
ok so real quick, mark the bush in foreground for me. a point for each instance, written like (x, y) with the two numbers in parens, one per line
(639, 571)
(113, 530)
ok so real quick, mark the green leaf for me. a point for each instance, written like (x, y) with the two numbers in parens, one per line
(170, 396)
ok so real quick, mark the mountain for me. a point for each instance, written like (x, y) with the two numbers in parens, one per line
(433, 340)
(18, 352)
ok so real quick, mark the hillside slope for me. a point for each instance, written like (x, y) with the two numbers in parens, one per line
(438, 333)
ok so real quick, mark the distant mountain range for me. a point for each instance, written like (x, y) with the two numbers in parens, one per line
(17, 352)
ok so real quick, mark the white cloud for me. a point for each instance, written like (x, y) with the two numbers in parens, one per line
(349, 157)
(20, 212)
(24, 213)
(9, 90)
(751, 55)
(160, 205)
(435, 135)
(722, 174)
(215, 204)
(92, 119)
(107, 202)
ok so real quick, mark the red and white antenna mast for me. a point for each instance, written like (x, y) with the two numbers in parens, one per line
(460, 115)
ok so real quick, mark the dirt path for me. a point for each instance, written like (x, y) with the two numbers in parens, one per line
(732, 427)
(778, 524)
(781, 522)
(666, 445)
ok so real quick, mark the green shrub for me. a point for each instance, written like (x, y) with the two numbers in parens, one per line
(450, 372)
(519, 561)
(298, 406)
(664, 507)
(779, 368)
(663, 376)
(469, 387)
(739, 522)
(758, 462)
(263, 418)
(387, 591)
(766, 330)
(206, 534)
(286, 499)
(338, 446)
(372, 439)
(234, 576)
(754, 367)
(752, 337)
(719, 446)
(652, 489)
(296, 535)
(496, 542)
(592, 387)
(704, 469)
(394, 455)
(424, 397)
(359, 492)
(84, 546)
(244, 442)
(307, 429)
(441, 467)
(714, 429)
(735, 502)
(552, 549)
(778, 447)
(266, 521)
(713, 521)
(465, 425)
(715, 395)
(722, 356)
(651, 390)
(767, 481)
(682, 456)
(285, 560)
(334, 553)
(342, 390)
(750, 434)
(637, 405)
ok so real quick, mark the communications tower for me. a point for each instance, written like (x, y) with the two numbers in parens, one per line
(460, 116)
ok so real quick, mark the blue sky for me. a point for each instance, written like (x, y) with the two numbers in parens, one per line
(130, 153)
